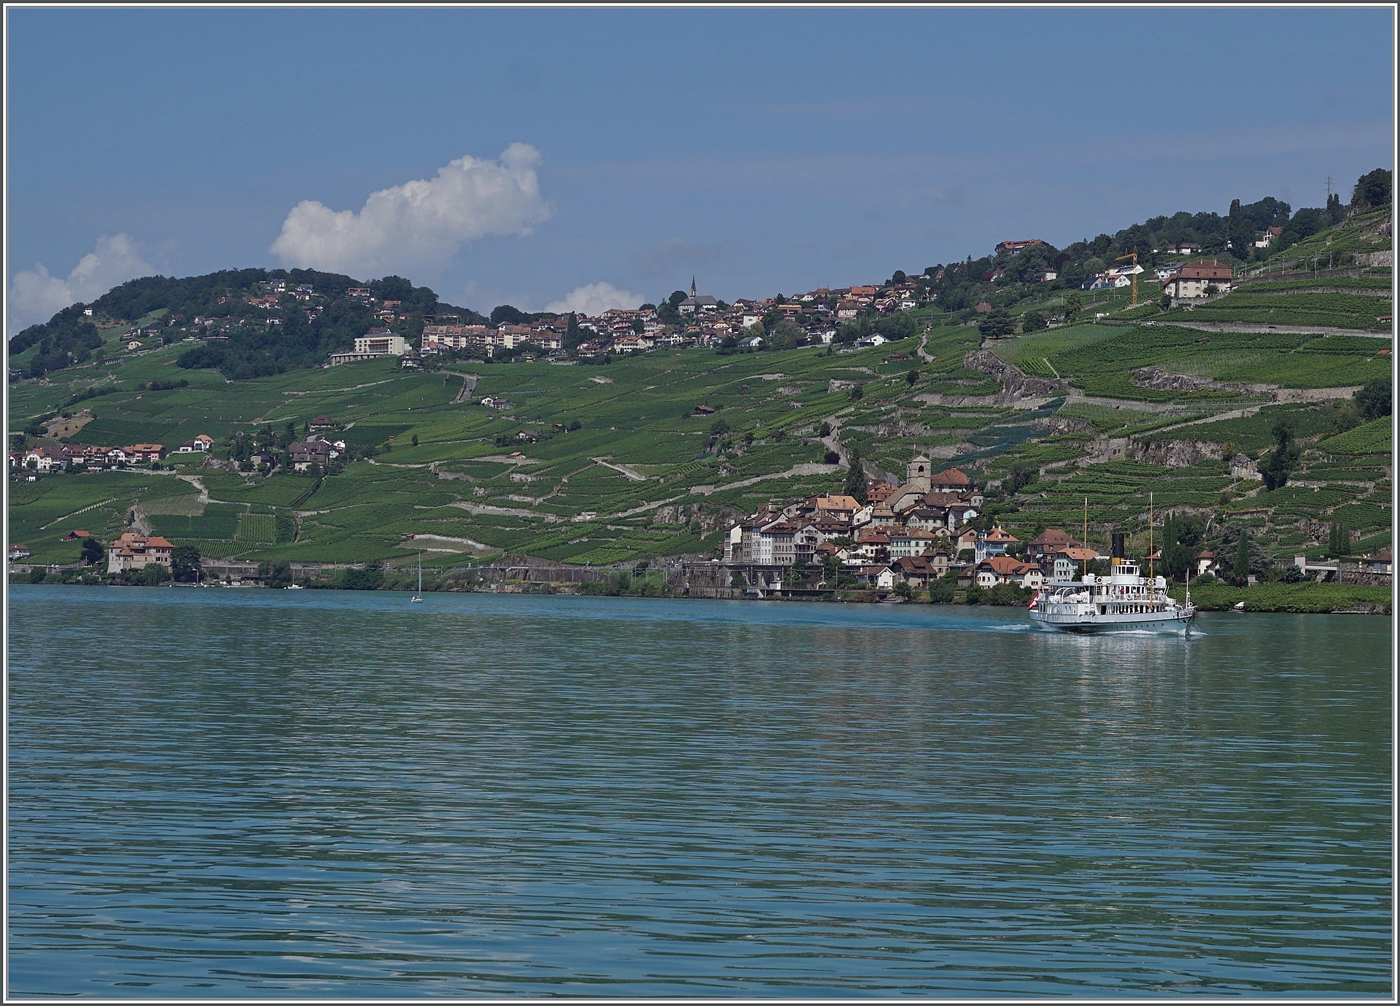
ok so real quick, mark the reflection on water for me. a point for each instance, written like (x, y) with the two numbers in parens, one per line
(325, 793)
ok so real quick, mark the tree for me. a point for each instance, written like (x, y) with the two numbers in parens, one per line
(278, 574)
(855, 478)
(997, 324)
(1282, 459)
(1166, 302)
(1033, 321)
(785, 335)
(154, 574)
(856, 394)
(1372, 189)
(573, 335)
(1022, 475)
(1338, 539)
(903, 590)
(823, 431)
(415, 440)
(37, 574)
(1073, 305)
(940, 591)
(92, 551)
(912, 377)
(505, 314)
(1373, 400)
(1240, 572)
(1240, 231)
(184, 564)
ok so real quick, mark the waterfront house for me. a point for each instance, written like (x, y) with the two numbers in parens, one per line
(137, 551)
(1004, 569)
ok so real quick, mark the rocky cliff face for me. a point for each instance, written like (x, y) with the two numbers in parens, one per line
(1015, 383)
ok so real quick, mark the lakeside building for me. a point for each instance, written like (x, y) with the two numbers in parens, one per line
(911, 533)
(137, 551)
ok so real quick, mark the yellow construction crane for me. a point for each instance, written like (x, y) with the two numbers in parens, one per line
(1132, 255)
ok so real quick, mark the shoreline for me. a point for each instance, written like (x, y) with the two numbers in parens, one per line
(1266, 598)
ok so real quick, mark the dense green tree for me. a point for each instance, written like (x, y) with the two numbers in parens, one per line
(1240, 567)
(505, 314)
(1073, 305)
(1021, 475)
(786, 335)
(1338, 539)
(1373, 399)
(1033, 321)
(856, 394)
(940, 591)
(1282, 459)
(92, 553)
(184, 564)
(997, 323)
(855, 478)
(278, 573)
(912, 378)
(1372, 189)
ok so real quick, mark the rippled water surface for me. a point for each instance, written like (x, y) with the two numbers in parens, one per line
(322, 793)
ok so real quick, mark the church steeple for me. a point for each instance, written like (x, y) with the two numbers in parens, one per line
(692, 286)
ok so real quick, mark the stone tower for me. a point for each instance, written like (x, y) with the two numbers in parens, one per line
(917, 473)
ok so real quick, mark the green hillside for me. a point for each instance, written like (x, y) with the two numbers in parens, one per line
(600, 463)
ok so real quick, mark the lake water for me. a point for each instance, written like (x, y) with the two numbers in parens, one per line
(320, 793)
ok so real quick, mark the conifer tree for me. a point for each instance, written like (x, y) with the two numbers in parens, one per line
(855, 478)
(1241, 570)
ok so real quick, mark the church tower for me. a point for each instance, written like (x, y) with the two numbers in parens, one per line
(917, 473)
(692, 287)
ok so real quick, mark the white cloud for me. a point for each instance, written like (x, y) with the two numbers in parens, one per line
(421, 224)
(36, 296)
(594, 299)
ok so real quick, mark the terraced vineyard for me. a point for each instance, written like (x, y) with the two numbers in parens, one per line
(603, 464)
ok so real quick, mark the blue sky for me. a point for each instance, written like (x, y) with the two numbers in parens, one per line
(614, 153)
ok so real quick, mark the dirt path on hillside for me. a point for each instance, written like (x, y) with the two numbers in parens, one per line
(506, 511)
(631, 473)
(194, 481)
(1232, 414)
(920, 351)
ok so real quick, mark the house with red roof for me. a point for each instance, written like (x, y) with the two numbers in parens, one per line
(137, 551)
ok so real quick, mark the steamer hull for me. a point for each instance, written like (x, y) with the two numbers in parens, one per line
(1123, 601)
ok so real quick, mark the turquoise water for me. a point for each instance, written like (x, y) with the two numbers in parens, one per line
(318, 793)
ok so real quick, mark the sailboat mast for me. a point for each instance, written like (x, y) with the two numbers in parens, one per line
(1150, 519)
(1084, 545)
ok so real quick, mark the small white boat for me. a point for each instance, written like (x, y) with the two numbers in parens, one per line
(294, 586)
(1239, 606)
